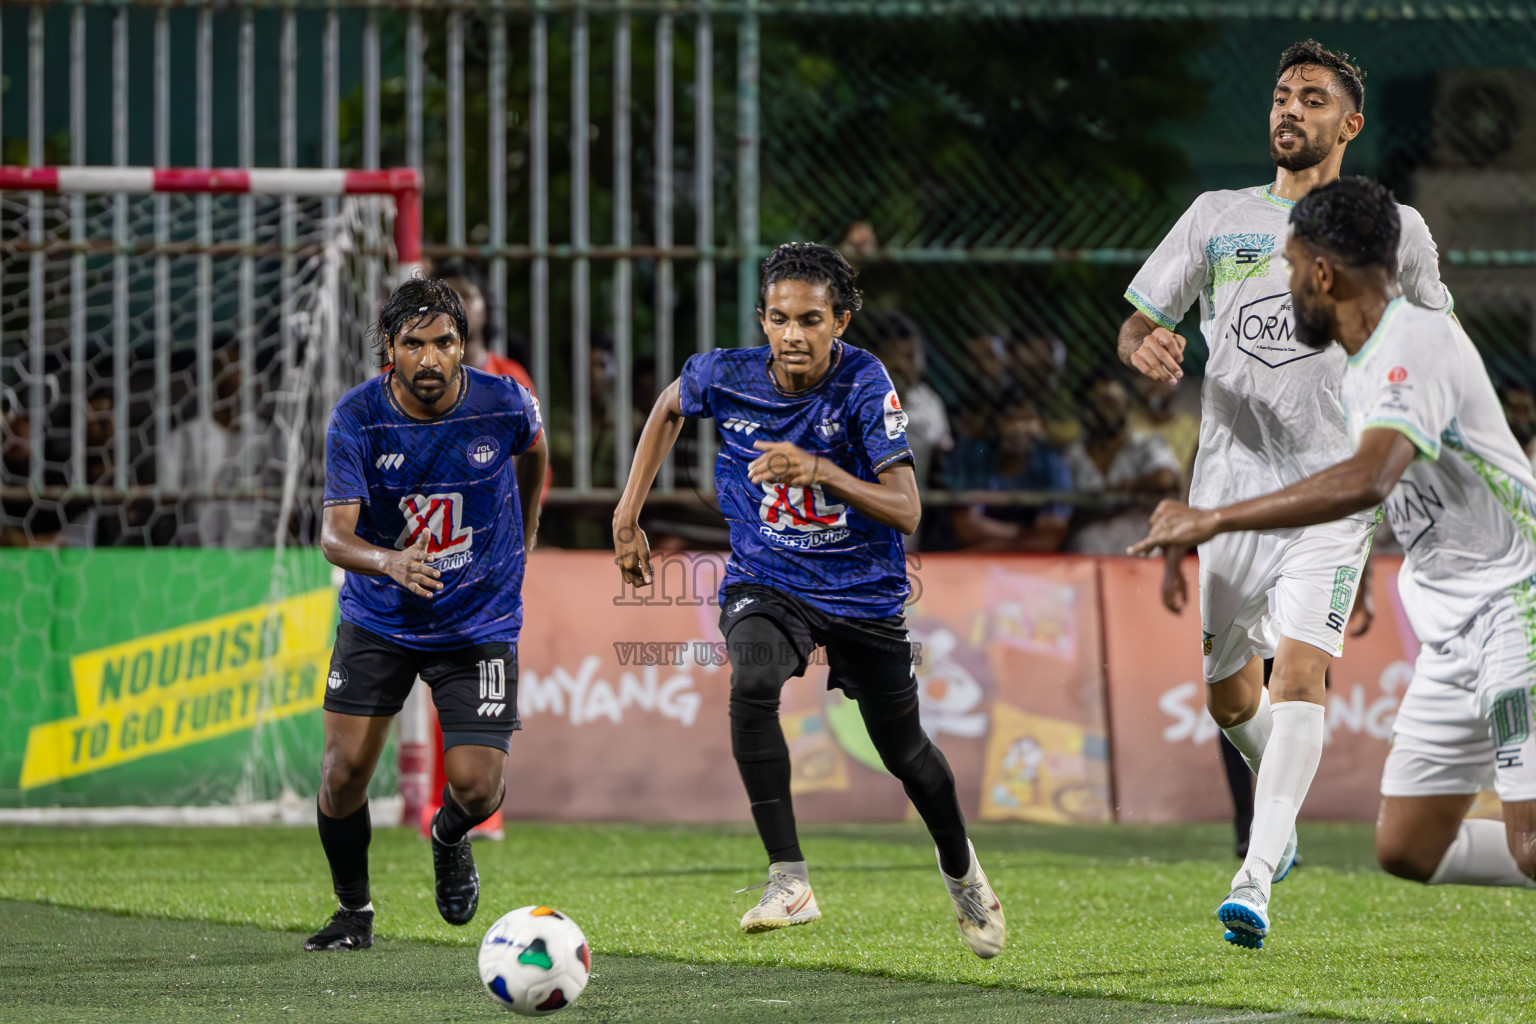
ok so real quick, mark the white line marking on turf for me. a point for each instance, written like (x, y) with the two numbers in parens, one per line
(786, 1002)
(1280, 1015)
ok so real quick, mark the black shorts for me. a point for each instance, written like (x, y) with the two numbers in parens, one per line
(474, 688)
(865, 657)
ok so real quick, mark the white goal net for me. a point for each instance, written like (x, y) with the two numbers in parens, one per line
(171, 344)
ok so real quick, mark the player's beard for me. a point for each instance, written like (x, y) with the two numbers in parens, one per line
(426, 399)
(1313, 328)
(1314, 150)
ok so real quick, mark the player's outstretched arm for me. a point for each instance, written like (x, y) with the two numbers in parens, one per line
(893, 501)
(530, 487)
(1150, 349)
(631, 549)
(1359, 482)
(342, 547)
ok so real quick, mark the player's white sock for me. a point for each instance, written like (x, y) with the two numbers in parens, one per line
(1252, 736)
(1479, 855)
(1290, 762)
(793, 868)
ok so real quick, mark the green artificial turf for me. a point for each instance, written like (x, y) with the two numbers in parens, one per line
(1114, 911)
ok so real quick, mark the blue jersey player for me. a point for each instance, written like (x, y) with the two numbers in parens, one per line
(433, 473)
(815, 478)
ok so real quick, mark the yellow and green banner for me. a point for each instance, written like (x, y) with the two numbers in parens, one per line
(162, 677)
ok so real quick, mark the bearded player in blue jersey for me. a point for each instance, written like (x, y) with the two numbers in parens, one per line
(433, 472)
(815, 477)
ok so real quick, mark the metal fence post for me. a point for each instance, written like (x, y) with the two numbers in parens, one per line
(747, 142)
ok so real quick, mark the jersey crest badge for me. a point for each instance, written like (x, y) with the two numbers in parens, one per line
(482, 451)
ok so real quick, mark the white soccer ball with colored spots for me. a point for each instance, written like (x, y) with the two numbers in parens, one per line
(535, 961)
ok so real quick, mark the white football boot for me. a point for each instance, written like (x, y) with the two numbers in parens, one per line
(1246, 915)
(1287, 859)
(977, 910)
(787, 900)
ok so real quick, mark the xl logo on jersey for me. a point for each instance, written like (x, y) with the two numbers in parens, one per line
(1264, 329)
(442, 517)
(802, 509)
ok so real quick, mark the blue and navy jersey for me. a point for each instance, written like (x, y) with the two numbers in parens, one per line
(452, 477)
(802, 539)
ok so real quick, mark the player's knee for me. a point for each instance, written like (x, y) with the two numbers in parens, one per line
(478, 794)
(1403, 859)
(755, 690)
(344, 781)
(1522, 846)
(1227, 714)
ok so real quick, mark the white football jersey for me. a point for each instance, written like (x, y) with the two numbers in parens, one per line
(1465, 510)
(1270, 414)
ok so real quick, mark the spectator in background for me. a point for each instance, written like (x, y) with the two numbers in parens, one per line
(462, 278)
(1520, 410)
(1021, 462)
(990, 386)
(1171, 410)
(900, 346)
(218, 452)
(1113, 457)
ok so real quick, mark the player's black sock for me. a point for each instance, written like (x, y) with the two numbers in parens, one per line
(346, 847)
(759, 650)
(897, 733)
(453, 822)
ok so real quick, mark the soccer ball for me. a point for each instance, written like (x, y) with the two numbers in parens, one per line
(535, 961)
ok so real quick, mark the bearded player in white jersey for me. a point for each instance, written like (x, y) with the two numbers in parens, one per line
(1432, 442)
(1270, 415)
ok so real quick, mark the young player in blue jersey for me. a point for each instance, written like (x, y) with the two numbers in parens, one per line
(432, 486)
(815, 478)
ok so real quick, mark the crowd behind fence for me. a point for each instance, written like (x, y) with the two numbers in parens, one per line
(606, 176)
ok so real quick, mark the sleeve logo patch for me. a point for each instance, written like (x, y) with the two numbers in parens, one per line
(1398, 374)
(895, 418)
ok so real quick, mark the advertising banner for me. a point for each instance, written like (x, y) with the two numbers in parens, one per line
(624, 695)
(1166, 764)
(161, 678)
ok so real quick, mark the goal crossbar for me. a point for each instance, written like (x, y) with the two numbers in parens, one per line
(404, 183)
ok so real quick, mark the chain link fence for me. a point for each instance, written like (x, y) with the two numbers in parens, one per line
(611, 174)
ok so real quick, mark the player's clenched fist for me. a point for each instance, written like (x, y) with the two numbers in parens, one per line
(632, 553)
(783, 463)
(1174, 522)
(409, 568)
(1160, 354)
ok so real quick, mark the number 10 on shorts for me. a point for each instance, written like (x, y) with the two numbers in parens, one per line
(493, 679)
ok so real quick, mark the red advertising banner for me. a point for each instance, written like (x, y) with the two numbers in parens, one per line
(623, 696)
(1166, 765)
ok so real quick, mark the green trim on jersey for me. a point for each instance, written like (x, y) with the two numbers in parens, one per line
(1269, 197)
(1517, 502)
(1153, 313)
(1381, 328)
(1428, 447)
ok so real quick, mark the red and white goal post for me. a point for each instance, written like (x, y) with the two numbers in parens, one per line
(151, 287)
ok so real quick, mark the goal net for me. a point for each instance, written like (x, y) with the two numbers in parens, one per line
(171, 345)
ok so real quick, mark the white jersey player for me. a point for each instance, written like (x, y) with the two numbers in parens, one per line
(1432, 442)
(1271, 414)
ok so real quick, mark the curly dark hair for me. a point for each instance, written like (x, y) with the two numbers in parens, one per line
(1348, 74)
(416, 300)
(816, 264)
(1352, 219)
